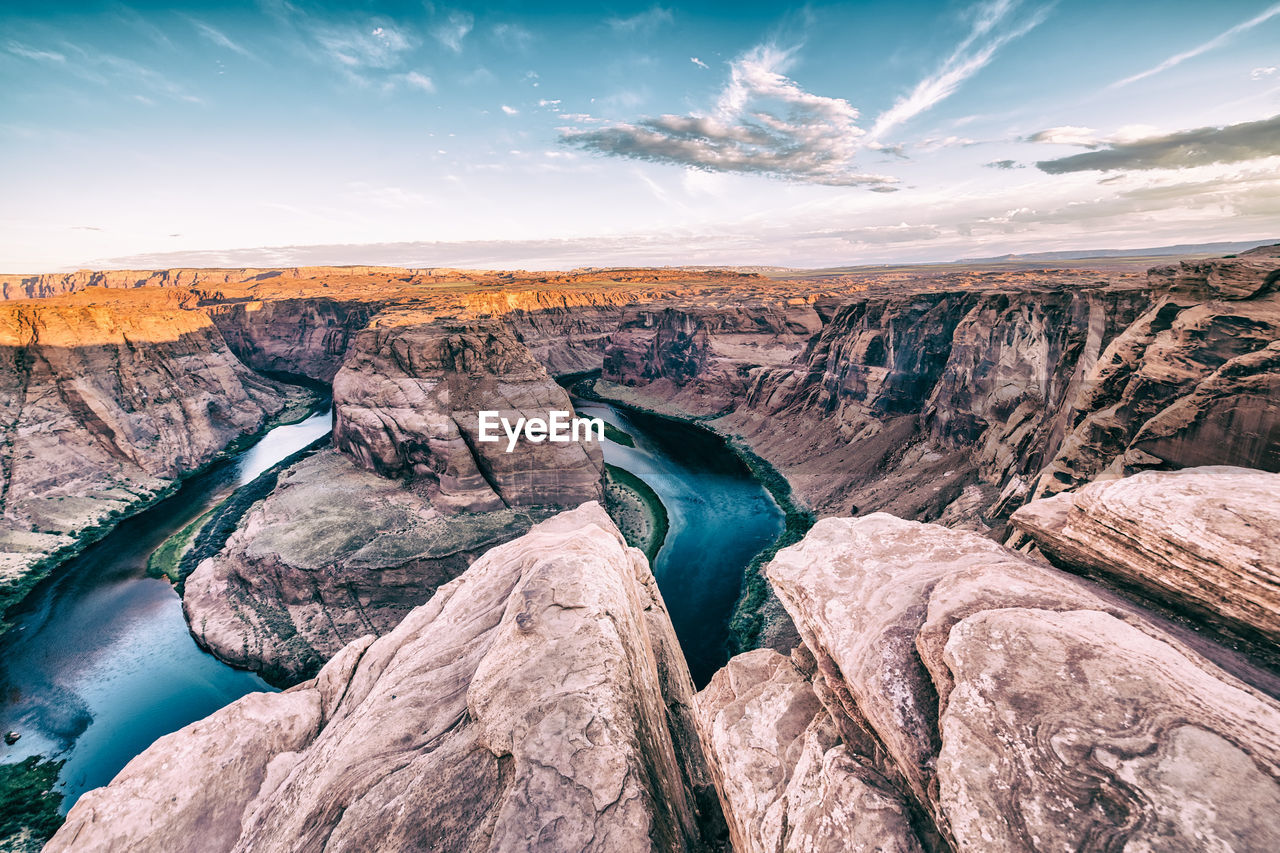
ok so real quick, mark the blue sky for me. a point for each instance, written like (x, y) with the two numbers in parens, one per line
(581, 134)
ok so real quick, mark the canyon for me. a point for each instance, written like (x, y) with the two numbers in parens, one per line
(1025, 476)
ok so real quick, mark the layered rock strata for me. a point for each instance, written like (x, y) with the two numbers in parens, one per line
(1201, 540)
(539, 701)
(991, 702)
(103, 407)
(407, 404)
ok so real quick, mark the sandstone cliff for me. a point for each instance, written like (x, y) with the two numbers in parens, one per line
(103, 407)
(539, 701)
(407, 402)
(966, 697)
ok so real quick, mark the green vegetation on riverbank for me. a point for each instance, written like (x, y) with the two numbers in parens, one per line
(28, 804)
(165, 560)
(210, 532)
(748, 618)
(636, 509)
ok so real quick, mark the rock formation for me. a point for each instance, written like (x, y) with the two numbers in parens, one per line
(539, 701)
(104, 406)
(1201, 540)
(407, 404)
(333, 553)
(987, 703)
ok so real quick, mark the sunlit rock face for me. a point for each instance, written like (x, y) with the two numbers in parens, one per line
(539, 701)
(994, 703)
(104, 405)
(407, 405)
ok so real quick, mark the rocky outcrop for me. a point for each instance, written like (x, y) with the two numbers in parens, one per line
(702, 357)
(539, 701)
(333, 553)
(407, 404)
(1005, 705)
(103, 408)
(1201, 540)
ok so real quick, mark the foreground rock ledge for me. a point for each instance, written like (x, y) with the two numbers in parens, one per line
(966, 698)
(539, 701)
(1203, 540)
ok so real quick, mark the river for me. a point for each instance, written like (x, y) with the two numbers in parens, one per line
(99, 662)
(720, 518)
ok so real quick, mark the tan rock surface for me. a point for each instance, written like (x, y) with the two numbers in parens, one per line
(1075, 731)
(1202, 540)
(528, 705)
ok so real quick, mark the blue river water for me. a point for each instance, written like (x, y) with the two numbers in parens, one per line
(720, 516)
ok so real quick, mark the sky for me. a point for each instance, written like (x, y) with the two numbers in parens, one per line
(551, 136)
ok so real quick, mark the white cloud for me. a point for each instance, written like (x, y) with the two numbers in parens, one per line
(453, 29)
(1264, 71)
(969, 57)
(356, 48)
(1216, 41)
(763, 123)
(698, 62)
(511, 111)
(513, 36)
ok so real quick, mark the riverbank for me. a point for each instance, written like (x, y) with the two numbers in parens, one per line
(636, 509)
(758, 617)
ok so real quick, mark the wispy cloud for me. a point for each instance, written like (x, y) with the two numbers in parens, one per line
(511, 111)
(644, 23)
(377, 45)
(763, 124)
(698, 62)
(419, 81)
(995, 25)
(1264, 71)
(38, 55)
(217, 37)
(1215, 42)
(1186, 148)
(453, 29)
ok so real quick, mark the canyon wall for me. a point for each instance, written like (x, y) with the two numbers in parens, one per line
(959, 400)
(103, 408)
(539, 701)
